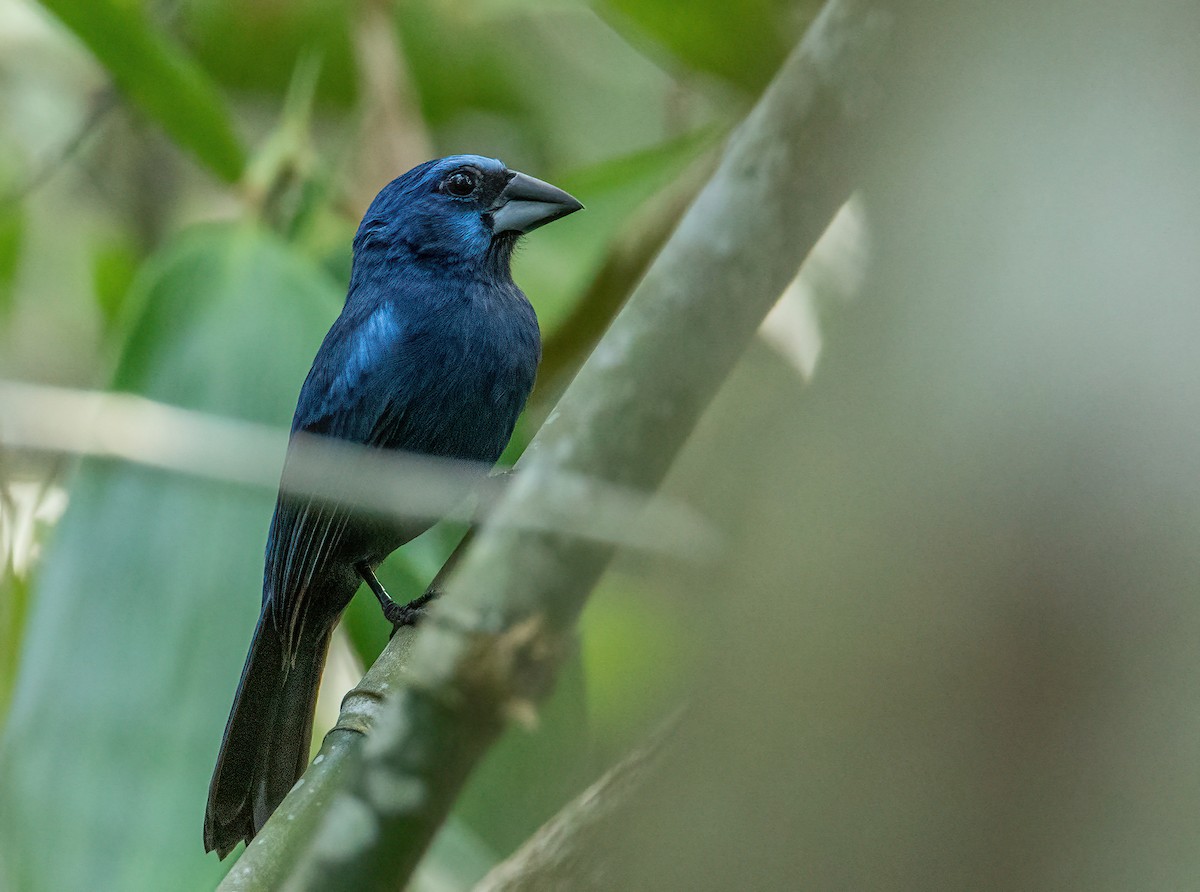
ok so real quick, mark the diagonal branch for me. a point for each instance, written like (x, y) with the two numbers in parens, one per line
(568, 851)
(490, 649)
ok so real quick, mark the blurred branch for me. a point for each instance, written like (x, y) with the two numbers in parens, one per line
(281, 179)
(403, 485)
(281, 842)
(391, 129)
(567, 852)
(103, 103)
(490, 649)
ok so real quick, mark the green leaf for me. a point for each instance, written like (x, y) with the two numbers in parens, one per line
(456, 63)
(145, 600)
(253, 47)
(14, 605)
(541, 86)
(12, 236)
(742, 43)
(158, 77)
(114, 265)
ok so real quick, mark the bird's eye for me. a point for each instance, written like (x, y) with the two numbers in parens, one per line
(461, 183)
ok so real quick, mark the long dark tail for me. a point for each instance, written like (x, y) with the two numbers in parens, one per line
(267, 737)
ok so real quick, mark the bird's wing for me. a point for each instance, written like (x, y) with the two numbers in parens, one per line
(358, 391)
(348, 387)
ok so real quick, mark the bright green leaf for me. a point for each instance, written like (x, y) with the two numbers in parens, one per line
(12, 235)
(14, 604)
(113, 267)
(158, 77)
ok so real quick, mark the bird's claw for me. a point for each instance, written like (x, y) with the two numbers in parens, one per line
(408, 614)
(405, 615)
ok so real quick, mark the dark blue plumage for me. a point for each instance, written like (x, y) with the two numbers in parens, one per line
(434, 352)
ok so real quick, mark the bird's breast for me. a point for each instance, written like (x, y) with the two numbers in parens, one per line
(476, 364)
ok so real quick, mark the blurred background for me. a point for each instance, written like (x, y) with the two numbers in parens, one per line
(949, 638)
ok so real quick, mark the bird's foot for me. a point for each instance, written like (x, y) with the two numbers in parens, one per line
(408, 614)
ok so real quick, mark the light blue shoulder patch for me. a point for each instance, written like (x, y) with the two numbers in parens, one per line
(372, 339)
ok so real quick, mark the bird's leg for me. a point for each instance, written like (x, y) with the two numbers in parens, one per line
(408, 614)
(397, 614)
(390, 608)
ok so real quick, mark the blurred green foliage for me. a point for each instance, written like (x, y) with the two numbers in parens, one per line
(252, 48)
(114, 266)
(12, 228)
(143, 602)
(950, 640)
(153, 73)
(14, 604)
(124, 639)
(740, 43)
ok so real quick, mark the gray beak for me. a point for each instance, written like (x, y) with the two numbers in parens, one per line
(527, 203)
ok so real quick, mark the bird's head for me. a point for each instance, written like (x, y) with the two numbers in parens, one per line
(463, 209)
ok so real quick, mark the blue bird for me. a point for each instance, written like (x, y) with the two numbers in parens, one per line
(434, 352)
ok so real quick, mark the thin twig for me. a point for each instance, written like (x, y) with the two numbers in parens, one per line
(106, 100)
(405, 486)
(565, 852)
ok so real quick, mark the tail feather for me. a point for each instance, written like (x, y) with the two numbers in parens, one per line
(267, 737)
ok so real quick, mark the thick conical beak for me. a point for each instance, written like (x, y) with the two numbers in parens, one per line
(527, 203)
